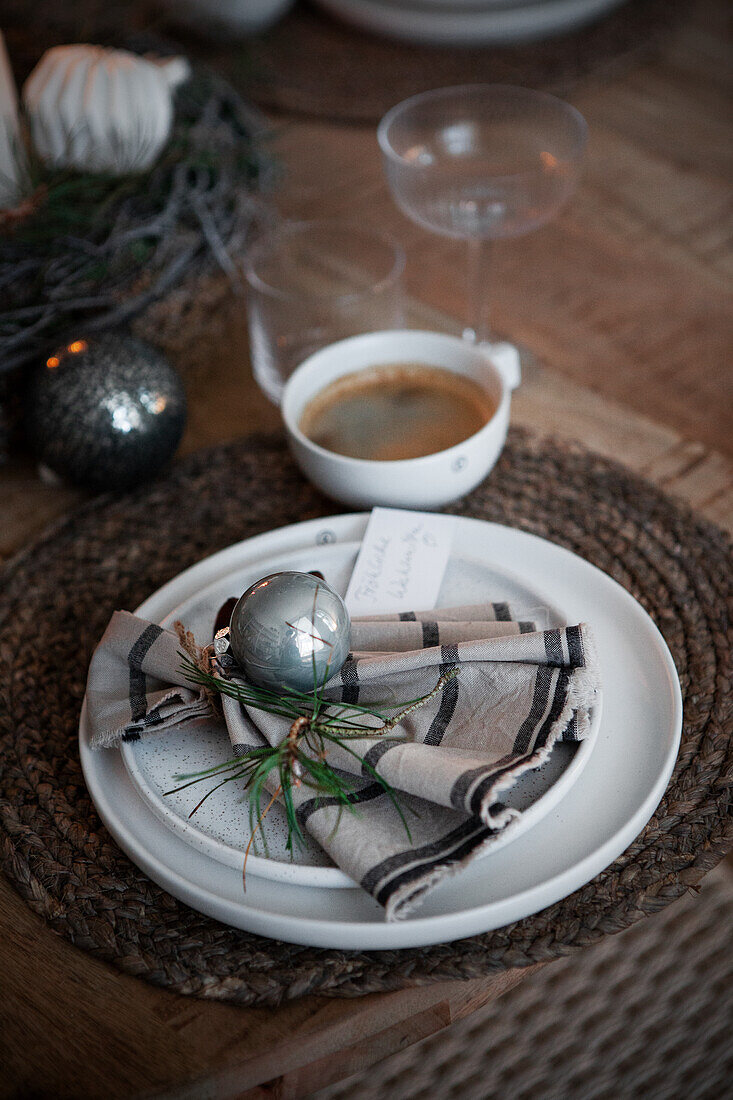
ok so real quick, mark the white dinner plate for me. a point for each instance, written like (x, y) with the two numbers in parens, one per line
(446, 26)
(220, 827)
(599, 816)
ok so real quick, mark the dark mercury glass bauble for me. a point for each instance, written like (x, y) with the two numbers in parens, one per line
(107, 411)
(286, 623)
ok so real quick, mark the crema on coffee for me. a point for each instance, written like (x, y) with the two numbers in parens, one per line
(396, 411)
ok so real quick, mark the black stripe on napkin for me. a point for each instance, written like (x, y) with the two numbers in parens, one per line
(575, 646)
(571, 730)
(408, 617)
(553, 647)
(373, 878)
(482, 788)
(451, 848)
(138, 681)
(459, 790)
(540, 697)
(558, 702)
(501, 610)
(375, 754)
(448, 698)
(462, 785)
(430, 635)
(241, 749)
(424, 869)
(366, 794)
(350, 680)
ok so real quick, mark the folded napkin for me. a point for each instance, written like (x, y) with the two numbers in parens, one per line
(518, 692)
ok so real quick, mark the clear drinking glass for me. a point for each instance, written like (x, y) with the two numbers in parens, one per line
(312, 283)
(480, 162)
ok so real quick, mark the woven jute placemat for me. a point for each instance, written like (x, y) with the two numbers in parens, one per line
(56, 599)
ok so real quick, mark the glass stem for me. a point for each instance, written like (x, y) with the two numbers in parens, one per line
(479, 261)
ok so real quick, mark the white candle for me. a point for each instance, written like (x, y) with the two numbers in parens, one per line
(11, 147)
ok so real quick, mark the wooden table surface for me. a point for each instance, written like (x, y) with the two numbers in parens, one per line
(623, 304)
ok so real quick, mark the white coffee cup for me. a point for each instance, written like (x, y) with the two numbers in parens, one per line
(426, 482)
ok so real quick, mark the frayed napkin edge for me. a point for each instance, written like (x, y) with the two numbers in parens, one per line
(584, 689)
(199, 709)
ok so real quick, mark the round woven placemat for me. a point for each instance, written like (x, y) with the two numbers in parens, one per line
(315, 64)
(55, 602)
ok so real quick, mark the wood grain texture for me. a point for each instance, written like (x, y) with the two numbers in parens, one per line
(628, 291)
(624, 305)
(71, 1026)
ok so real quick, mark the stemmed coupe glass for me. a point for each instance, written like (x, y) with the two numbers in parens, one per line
(481, 162)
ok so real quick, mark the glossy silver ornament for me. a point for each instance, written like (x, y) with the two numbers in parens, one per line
(288, 627)
(107, 411)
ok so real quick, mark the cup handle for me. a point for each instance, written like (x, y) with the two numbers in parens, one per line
(505, 358)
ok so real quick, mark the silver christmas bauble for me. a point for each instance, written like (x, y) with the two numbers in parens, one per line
(106, 411)
(287, 628)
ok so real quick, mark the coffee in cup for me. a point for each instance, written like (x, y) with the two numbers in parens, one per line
(429, 480)
(395, 411)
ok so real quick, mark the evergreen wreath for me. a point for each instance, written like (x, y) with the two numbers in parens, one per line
(96, 250)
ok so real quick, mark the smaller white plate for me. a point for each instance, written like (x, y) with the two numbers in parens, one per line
(220, 827)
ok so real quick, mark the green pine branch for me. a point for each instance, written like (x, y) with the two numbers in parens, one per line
(317, 725)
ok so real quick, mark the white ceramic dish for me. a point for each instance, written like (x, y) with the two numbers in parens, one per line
(468, 27)
(220, 828)
(426, 482)
(598, 818)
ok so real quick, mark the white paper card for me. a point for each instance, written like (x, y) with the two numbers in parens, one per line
(401, 563)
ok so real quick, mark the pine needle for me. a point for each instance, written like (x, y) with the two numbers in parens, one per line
(261, 818)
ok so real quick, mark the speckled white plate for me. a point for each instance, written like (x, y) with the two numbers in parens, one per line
(220, 827)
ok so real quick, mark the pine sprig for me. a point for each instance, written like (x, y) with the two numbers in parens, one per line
(317, 726)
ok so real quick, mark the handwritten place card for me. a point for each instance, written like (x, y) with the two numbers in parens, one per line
(401, 563)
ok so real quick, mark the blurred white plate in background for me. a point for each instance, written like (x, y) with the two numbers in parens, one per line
(438, 23)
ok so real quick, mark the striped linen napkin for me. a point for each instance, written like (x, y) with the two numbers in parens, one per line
(518, 692)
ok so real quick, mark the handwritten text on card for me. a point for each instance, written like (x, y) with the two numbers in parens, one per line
(401, 563)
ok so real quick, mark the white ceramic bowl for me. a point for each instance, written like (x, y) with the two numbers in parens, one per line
(426, 482)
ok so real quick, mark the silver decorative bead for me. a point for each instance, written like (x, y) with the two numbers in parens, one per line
(221, 653)
(288, 627)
